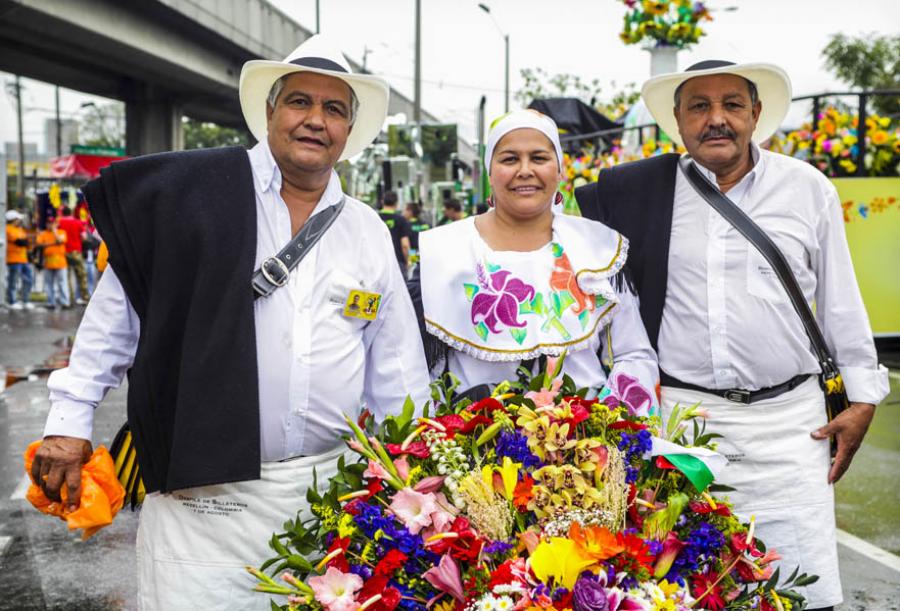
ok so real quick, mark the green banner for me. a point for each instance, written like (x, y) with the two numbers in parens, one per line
(99, 151)
(693, 468)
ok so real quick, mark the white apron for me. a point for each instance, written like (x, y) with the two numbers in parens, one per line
(193, 544)
(781, 476)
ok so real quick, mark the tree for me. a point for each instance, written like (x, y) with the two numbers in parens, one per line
(103, 125)
(539, 84)
(867, 62)
(202, 134)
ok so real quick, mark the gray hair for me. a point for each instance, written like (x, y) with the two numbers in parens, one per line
(278, 85)
(754, 94)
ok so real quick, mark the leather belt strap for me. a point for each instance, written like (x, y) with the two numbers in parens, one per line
(737, 395)
(276, 271)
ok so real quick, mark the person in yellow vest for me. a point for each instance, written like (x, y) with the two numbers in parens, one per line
(17, 265)
(53, 241)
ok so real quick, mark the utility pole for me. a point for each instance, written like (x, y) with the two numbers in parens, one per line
(318, 29)
(506, 88)
(20, 174)
(58, 126)
(417, 97)
(366, 51)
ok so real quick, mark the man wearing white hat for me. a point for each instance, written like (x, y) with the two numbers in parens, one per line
(238, 389)
(723, 325)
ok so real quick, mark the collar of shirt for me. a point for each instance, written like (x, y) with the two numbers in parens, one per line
(737, 192)
(267, 176)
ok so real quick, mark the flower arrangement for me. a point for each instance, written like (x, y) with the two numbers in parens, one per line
(833, 145)
(584, 168)
(669, 23)
(534, 498)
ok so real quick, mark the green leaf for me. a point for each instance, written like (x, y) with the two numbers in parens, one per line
(537, 304)
(471, 291)
(276, 545)
(518, 334)
(482, 331)
(299, 563)
(557, 250)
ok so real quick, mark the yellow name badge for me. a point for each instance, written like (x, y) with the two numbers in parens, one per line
(361, 304)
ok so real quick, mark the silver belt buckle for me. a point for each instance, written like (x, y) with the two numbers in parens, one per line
(738, 396)
(285, 272)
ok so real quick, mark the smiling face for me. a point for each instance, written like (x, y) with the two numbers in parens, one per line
(716, 118)
(524, 174)
(310, 122)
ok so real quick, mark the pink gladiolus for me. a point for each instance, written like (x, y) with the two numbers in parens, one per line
(445, 577)
(414, 509)
(672, 546)
(356, 446)
(336, 590)
(545, 396)
(376, 470)
(432, 483)
(402, 467)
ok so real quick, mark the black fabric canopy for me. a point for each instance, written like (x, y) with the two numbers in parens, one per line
(574, 117)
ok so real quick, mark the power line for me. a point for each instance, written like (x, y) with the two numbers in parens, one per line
(443, 83)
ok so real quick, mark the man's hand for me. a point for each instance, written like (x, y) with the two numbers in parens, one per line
(848, 428)
(57, 461)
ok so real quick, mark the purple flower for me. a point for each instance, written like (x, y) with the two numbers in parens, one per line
(499, 301)
(589, 595)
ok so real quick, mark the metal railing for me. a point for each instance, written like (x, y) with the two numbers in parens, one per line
(862, 111)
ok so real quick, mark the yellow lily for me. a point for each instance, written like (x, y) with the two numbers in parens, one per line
(560, 559)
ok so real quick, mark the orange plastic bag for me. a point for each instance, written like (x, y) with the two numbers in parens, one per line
(102, 496)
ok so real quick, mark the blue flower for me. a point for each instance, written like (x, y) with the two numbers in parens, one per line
(515, 445)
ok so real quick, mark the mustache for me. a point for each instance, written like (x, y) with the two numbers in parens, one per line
(718, 132)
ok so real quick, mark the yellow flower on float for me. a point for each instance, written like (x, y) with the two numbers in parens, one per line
(897, 146)
(884, 121)
(655, 8)
(849, 140)
(880, 137)
(848, 165)
(559, 559)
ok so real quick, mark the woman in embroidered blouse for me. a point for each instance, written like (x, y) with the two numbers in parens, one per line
(522, 281)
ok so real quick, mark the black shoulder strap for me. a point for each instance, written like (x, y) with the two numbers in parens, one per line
(275, 271)
(764, 244)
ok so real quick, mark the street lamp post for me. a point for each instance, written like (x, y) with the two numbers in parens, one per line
(505, 36)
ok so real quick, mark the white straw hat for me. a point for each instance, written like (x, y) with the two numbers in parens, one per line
(772, 84)
(317, 54)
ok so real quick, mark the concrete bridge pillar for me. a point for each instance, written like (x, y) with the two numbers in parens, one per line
(152, 120)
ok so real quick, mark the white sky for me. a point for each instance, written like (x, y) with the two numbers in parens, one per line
(462, 51)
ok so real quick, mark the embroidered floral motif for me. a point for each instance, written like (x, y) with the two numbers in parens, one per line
(497, 301)
(563, 279)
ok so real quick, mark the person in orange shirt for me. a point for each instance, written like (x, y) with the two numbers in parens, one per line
(17, 261)
(53, 241)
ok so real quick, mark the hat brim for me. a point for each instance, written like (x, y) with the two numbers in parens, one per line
(373, 93)
(772, 84)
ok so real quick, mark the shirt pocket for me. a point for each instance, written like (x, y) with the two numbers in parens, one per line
(762, 280)
(340, 285)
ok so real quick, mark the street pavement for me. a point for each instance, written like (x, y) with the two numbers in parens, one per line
(44, 566)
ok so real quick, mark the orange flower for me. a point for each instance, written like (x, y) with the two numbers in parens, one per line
(594, 542)
(522, 493)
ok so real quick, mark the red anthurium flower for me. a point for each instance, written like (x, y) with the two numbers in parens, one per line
(419, 449)
(487, 405)
(390, 596)
(340, 561)
(703, 508)
(474, 422)
(503, 575)
(392, 561)
(451, 423)
(663, 463)
(739, 545)
(465, 547)
(627, 424)
(581, 409)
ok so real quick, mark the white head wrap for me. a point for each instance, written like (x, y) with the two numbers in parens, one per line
(521, 119)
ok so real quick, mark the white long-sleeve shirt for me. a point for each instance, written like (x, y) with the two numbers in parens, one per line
(315, 364)
(727, 320)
